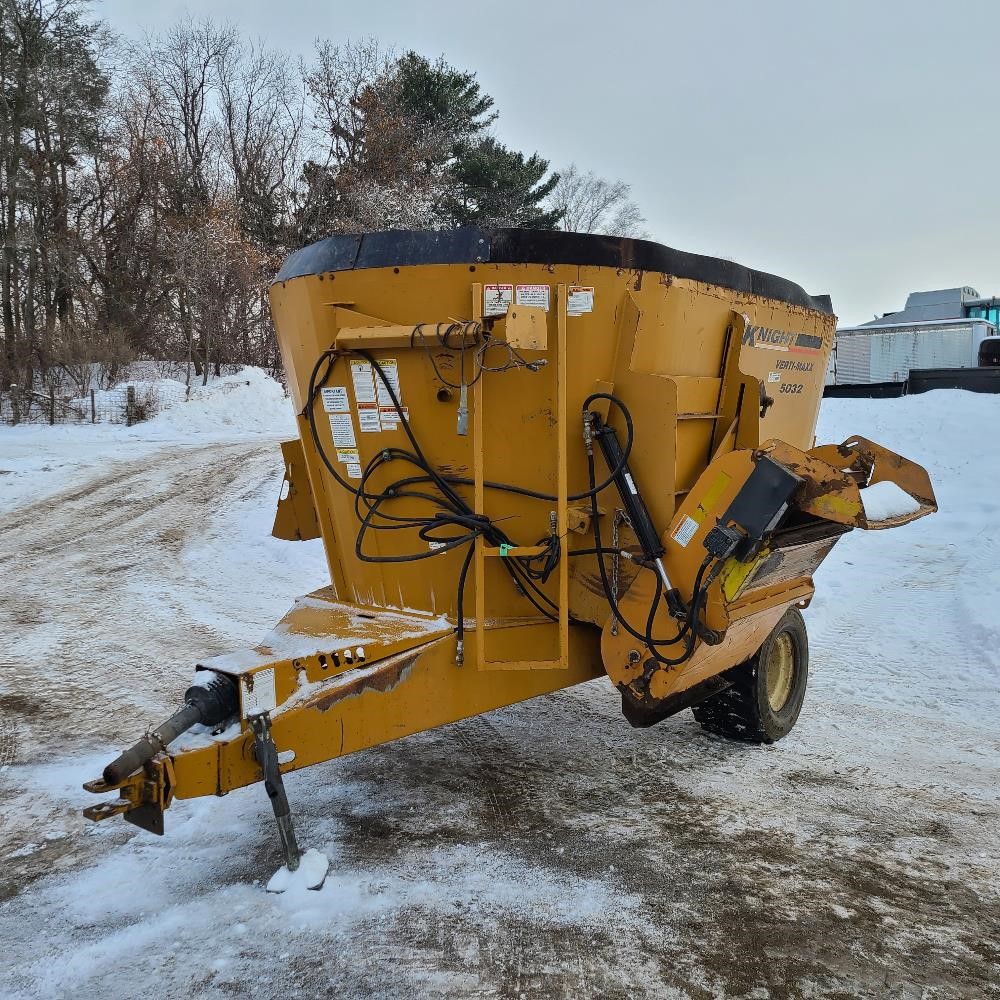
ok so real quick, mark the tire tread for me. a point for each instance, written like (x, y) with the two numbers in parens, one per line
(731, 713)
(736, 713)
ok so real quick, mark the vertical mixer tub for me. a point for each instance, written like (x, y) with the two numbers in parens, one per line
(388, 341)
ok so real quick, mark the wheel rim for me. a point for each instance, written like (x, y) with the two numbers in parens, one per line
(780, 671)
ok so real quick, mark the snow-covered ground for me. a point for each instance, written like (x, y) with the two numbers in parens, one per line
(36, 459)
(545, 850)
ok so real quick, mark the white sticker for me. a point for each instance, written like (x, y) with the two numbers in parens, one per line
(532, 295)
(368, 420)
(364, 385)
(335, 399)
(349, 456)
(258, 693)
(391, 372)
(343, 430)
(579, 300)
(354, 472)
(773, 377)
(390, 417)
(496, 299)
(684, 532)
(631, 483)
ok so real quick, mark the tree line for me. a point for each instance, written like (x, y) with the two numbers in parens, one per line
(149, 190)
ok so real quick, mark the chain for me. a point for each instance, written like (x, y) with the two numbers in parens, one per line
(619, 519)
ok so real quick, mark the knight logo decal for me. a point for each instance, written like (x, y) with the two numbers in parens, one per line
(781, 340)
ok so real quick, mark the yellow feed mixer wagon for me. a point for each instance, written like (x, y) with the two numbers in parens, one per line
(533, 458)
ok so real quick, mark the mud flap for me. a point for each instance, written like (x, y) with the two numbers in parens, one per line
(295, 519)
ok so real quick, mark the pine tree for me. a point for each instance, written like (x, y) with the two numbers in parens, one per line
(444, 100)
(497, 186)
(489, 184)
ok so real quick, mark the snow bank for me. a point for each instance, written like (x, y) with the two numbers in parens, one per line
(247, 403)
(915, 608)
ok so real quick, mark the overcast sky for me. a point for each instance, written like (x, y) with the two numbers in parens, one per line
(850, 146)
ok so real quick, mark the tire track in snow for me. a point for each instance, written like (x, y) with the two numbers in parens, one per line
(81, 566)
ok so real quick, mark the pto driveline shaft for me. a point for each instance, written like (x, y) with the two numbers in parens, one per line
(208, 704)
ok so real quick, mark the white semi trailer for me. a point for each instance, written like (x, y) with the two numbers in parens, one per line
(871, 353)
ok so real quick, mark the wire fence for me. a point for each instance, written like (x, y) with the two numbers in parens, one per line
(123, 404)
(54, 399)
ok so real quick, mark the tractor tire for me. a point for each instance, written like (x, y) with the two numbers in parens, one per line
(765, 697)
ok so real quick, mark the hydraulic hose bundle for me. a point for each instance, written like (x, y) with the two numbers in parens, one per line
(453, 523)
(617, 459)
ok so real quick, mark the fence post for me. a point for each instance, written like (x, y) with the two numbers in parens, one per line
(15, 406)
(93, 408)
(130, 406)
(52, 405)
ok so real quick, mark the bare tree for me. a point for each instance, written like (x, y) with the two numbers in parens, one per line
(229, 117)
(148, 192)
(591, 204)
(220, 273)
(52, 90)
(335, 82)
(262, 104)
(178, 70)
(122, 206)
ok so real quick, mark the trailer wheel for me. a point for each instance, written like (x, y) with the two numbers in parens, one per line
(765, 698)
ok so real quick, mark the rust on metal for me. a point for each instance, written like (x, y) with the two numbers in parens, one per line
(381, 677)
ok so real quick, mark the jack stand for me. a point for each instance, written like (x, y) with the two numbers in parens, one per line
(308, 869)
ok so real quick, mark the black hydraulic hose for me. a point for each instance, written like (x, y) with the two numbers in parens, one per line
(521, 569)
(445, 341)
(595, 515)
(460, 600)
(438, 479)
(408, 557)
(442, 481)
(613, 604)
(394, 491)
(689, 625)
(586, 494)
(512, 566)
